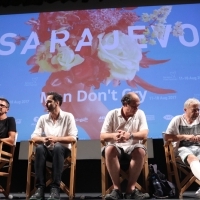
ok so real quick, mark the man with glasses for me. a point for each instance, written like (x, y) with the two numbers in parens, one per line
(7, 124)
(123, 129)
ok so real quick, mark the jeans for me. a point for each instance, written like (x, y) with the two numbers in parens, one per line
(56, 156)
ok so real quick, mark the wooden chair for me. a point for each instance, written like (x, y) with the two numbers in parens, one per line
(69, 162)
(7, 151)
(178, 170)
(106, 189)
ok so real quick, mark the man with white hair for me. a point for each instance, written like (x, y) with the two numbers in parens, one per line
(184, 131)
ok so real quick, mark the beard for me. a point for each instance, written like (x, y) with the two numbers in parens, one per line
(50, 108)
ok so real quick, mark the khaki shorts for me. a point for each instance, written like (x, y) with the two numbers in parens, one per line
(121, 151)
(183, 152)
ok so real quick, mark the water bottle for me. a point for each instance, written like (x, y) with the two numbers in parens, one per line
(158, 188)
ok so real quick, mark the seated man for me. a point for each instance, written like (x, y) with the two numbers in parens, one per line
(7, 124)
(123, 129)
(54, 132)
(184, 130)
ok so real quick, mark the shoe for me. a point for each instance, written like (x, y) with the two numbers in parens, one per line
(115, 194)
(54, 194)
(39, 194)
(136, 194)
(197, 193)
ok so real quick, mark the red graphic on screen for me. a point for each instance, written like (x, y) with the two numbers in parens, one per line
(98, 50)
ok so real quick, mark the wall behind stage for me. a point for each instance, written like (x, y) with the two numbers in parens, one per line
(93, 57)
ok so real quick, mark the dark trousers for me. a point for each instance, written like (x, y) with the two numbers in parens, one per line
(56, 156)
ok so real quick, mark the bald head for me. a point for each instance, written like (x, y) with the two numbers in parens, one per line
(129, 98)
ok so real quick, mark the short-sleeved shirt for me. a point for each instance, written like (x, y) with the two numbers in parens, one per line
(179, 125)
(6, 125)
(114, 121)
(64, 126)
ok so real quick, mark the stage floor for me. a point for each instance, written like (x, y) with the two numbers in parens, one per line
(187, 195)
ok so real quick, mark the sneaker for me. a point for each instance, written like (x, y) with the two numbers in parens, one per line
(39, 194)
(197, 193)
(136, 194)
(54, 194)
(115, 194)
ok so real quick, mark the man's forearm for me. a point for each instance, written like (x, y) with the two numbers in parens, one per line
(106, 137)
(175, 138)
(66, 139)
(38, 139)
(140, 135)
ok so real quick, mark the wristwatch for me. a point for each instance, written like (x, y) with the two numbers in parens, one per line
(131, 136)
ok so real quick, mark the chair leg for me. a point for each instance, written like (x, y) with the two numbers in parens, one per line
(29, 171)
(7, 192)
(72, 173)
(104, 181)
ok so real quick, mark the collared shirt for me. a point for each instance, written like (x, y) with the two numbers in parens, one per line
(114, 121)
(179, 125)
(64, 126)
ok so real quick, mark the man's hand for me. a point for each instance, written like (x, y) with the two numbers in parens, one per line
(121, 136)
(52, 139)
(193, 138)
(44, 139)
(198, 138)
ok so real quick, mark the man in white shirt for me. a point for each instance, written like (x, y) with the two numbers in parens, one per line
(184, 131)
(123, 130)
(53, 133)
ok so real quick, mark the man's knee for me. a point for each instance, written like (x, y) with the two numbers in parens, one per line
(190, 158)
(58, 147)
(138, 152)
(40, 148)
(111, 150)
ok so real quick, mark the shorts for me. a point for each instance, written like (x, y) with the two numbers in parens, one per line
(183, 152)
(122, 152)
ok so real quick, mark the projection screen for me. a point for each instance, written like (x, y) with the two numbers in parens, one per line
(94, 57)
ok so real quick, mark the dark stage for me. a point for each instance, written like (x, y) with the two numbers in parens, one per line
(187, 195)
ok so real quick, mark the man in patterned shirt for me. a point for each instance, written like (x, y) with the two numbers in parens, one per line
(184, 131)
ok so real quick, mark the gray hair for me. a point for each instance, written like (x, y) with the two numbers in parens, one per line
(191, 101)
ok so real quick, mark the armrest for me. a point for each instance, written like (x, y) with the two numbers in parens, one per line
(6, 143)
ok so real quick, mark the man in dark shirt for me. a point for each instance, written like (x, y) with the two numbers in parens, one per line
(7, 124)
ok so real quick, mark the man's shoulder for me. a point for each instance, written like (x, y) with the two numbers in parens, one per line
(65, 114)
(115, 111)
(44, 116)
(10, 118)
(177, 117)
(140, 112)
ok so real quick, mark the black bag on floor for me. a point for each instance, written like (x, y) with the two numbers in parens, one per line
(159, 186)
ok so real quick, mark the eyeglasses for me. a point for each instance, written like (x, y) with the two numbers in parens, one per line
(3, 106)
